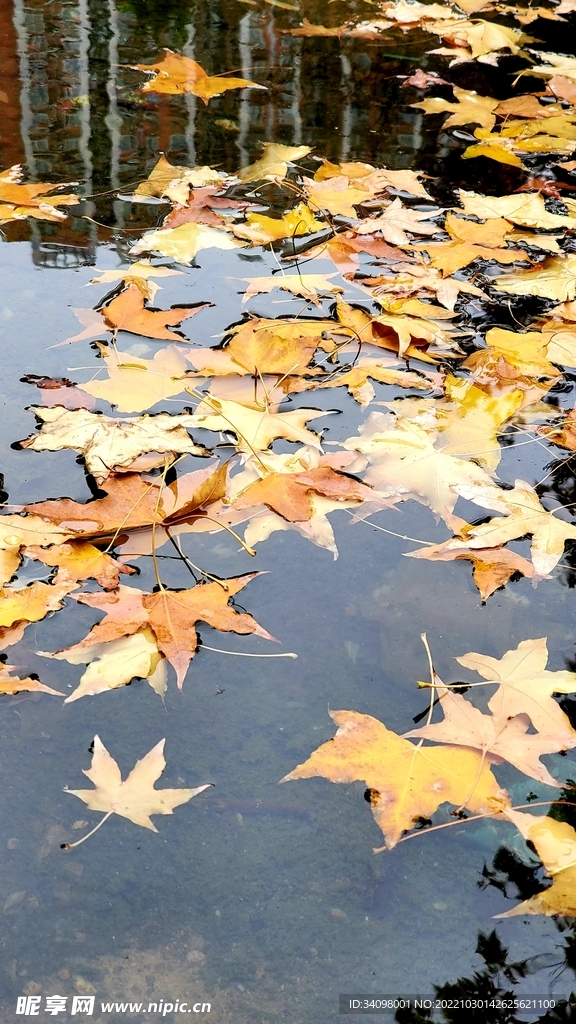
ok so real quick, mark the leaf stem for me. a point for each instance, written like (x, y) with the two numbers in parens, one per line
(71, 846)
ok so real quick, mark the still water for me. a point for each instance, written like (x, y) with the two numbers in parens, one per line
(264, 901)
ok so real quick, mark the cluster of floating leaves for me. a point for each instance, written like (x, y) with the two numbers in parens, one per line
(407, 328)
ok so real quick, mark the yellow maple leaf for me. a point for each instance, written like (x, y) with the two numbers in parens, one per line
(555, 843)
(255, 429)
(136, 384)
(471, 108)
(553, 279)
(307, 285)
(336, 195)
(138, 273)
(184, 242)
(273, 163)
(260, 229)
(174, 182)
(405, 782)
(178, 75)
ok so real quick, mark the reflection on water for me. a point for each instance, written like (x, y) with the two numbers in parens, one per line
(266, 902)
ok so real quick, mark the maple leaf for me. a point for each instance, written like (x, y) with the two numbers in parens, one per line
(260, 229)
(134, 798)
(494, 148)
(255, 429)
(365, 30)
(405, 463)
(171, 615)
(336, 195)
(410, 14)
(523, 514)
(178, 75)
(32, 603)
(562, 88)
(116, 663)
(43, 212)
(137, 274)
(470, 108)
(184, 242)
(471, 241)
(132, 503)
(289, 494)
(422, 79)
(525, 352)
(501, 738)
(493, 567)
(175, 182)
(405, 782)
(557, 64)
(493, 372)
(525, 685)
(396, 329)
(553, 279)
(555, 844)
(79, 560)
(379, 369)
(200, 208)
(108, 444)
(526, 210)
(344, 248)
(135, 384)
(375, 179)
(396, 220)
(483, 38)
(17, 532)
(469, 418)
(315, 494)
(127, 312)
(13, 684)
(407, 279)
(31, 200)
(564, 434)
(306, 285)
(263, 346)
(273, 163)
(553, 136)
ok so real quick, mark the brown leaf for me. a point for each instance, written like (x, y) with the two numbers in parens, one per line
(127, 312)
(288, 494)
(493, 567)
(422, 79)
(132, 503)
(171, 615)
(200, 207)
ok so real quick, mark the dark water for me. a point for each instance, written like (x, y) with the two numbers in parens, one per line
(265, 901)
